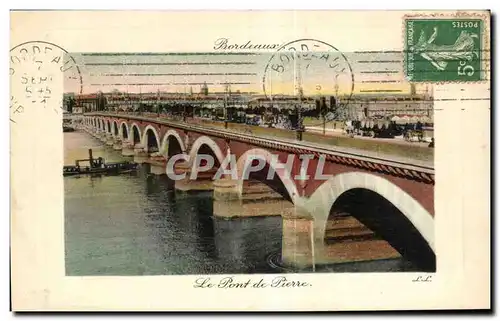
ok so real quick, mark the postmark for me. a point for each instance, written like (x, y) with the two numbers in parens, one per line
(39, 71)
(445, 49)
(313, 71)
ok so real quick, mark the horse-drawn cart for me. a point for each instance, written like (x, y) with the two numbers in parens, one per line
(414, 135)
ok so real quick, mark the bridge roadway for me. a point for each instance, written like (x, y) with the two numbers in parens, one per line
(426, 166)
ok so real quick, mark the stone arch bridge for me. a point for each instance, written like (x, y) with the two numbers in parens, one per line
(361, 206)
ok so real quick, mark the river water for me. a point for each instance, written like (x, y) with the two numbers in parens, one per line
(136, 224)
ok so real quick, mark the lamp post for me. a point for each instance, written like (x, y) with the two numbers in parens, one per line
(225, 114)
(225, 106)
(322, 107)
(300, 119)
(185, 101)
(324, 118)
(140, 100)
(300, 93)
(158, 103)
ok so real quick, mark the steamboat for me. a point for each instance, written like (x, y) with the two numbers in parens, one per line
(93, 165)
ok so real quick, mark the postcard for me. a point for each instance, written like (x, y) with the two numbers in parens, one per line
(250, 160)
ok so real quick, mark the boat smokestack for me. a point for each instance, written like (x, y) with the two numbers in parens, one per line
(91, 159)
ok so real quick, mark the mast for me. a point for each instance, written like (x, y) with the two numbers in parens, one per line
(91, 158)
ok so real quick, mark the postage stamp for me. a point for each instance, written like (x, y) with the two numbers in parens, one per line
(444, 49)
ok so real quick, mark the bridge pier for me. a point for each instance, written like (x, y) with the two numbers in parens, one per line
(203, 181)
(226, 189)
(299, 247)
(257, 200)
(345, 240)
(127, 148)
(158, 164)
(109, 139)
(102, 136)
(117, 143)
(140, 154)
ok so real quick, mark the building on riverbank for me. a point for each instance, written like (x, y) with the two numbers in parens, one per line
(355, 107)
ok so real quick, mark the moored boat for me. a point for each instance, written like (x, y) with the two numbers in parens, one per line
(98, 166)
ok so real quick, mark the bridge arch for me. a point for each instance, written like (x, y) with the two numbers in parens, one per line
(150, 138)
(166, 148)
(124, 131)
(283, 174)
(116, 131)
(205, 140)
(135, 134)
(325, 197)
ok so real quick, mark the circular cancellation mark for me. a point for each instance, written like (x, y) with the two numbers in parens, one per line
(40, 72)
(314, 70)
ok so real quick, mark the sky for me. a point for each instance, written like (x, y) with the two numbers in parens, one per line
(318, 73)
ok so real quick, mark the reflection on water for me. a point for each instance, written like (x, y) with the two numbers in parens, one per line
(135, 224)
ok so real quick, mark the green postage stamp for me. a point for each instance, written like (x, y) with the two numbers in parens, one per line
(444, 49)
